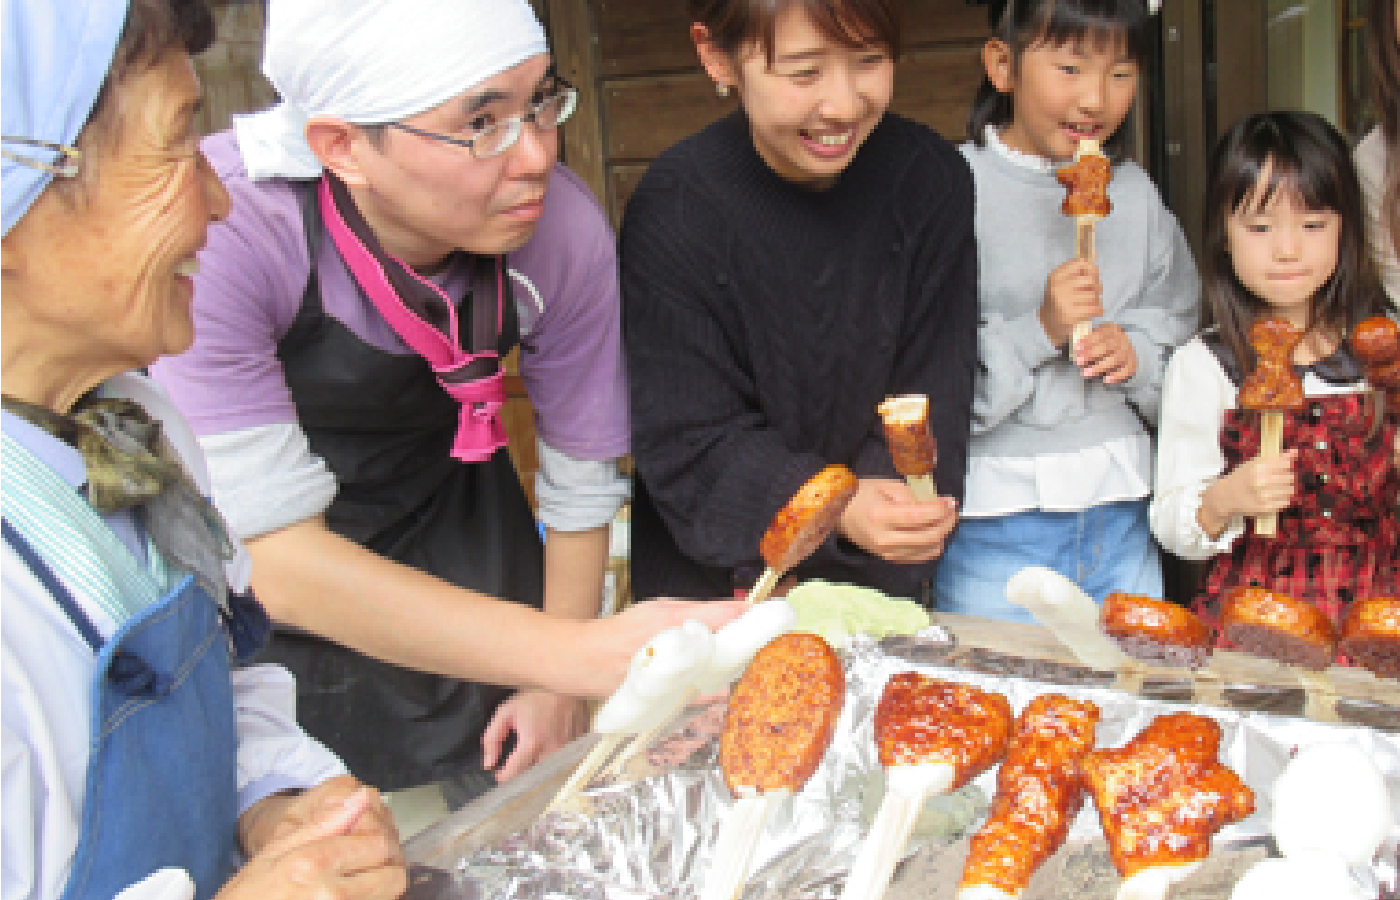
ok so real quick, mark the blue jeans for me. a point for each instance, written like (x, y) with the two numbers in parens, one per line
(1103, 549)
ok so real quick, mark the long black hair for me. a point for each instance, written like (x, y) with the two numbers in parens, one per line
(1021, 24)
(1306, 157)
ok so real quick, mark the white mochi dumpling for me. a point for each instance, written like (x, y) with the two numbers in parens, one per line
(625, 712)
(660, 679)
(673, 660)
(1331, 797)
(737, 642)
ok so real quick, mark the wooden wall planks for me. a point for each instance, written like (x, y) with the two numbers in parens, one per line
(647, 90)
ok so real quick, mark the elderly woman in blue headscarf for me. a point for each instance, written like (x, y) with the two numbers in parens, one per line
(139, 757)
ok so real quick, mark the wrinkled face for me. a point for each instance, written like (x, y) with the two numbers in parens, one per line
(110, 265)
(810, 112)
(425, 198)
(1282, 252)
(1062, 94)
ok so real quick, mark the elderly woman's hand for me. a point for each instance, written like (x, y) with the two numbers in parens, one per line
(324, 848)
(282, 815)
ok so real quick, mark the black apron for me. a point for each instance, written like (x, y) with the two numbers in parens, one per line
(384, 426)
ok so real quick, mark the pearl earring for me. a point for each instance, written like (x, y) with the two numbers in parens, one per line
(722, 89)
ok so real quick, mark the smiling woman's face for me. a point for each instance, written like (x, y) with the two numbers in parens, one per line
(103, 268)
(813, 108)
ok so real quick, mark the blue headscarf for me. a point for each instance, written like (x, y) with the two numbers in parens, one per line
(56, 54)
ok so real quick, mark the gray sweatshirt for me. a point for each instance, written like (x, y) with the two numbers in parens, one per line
(1030, 399)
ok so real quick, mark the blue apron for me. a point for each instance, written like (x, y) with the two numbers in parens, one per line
(161, 778)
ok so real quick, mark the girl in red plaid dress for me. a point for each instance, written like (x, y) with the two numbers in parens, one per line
(1284, 238)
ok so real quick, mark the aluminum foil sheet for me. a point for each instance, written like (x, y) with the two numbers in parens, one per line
(652, 837)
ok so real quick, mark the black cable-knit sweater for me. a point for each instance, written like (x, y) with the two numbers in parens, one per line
(763, 324)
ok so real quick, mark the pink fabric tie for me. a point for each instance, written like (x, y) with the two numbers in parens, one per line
(480, 432)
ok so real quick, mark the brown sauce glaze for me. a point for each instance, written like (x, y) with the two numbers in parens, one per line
(923, 720)
(806, 520)
(1040, 789)
(1163, 795)
(781, 715)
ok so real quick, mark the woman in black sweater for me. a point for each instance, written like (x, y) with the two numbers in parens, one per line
(783, 271)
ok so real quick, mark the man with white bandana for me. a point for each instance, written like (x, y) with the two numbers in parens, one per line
(345, 384)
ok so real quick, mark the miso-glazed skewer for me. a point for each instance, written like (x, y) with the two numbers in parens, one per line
(912, 447)
(1087, 180)
(933, 738)
(1040, 789)
(1376, 343)
(1273, 388)
(734, 646)
(1161, 798)
(802, 524)
(782, 714)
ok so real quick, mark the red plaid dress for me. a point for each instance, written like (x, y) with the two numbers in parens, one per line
(1337, 540)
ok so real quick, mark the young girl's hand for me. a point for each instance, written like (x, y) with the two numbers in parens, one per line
(1254, 488)
(1106, 352)
(884, 519)
(1072, 294)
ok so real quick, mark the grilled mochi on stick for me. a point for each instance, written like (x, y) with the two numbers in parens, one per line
(1161, 797)
(933, 737)
(802, 524)
(734, 645)
(1272, 389)
(782, 713)
(1070, 614)
(1086, 180)
(1371, 635)
(905, 420)
(1275, 625)
(1040, 789)
(1155, 630)
(1376, 342)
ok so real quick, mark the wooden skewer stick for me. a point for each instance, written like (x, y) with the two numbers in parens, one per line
(912, 449)
(659, 683)
(922, 487)
(907, 789)
(1088, 202)
(738, 836)
(763, 587)
(586, 769)
(644, 739)
(1270, 446)
(1083, 249)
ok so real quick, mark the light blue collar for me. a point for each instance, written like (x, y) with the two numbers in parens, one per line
(63, 458)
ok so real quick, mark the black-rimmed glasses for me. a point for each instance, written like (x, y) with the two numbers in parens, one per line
(495, 139)
(65, 165)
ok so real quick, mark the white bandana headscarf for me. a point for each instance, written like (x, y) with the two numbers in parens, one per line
(374, 61)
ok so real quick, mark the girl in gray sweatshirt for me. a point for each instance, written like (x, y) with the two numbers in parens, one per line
(1060, 461)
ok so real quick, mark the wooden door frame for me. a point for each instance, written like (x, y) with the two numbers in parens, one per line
(572, 33)
(1200, 103)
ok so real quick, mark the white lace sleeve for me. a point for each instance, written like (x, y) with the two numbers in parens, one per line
(1195, 395)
